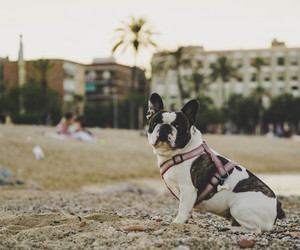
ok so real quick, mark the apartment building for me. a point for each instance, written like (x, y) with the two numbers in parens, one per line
(280, 72)
(64, 76)
(106, 79)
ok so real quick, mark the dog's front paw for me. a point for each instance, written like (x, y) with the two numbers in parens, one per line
(180, 220)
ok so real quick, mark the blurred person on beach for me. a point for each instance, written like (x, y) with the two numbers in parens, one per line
(5, 118)
(2, 117)
(78, 131)
(63, 126)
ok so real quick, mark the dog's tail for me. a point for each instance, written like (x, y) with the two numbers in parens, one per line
(280, 212)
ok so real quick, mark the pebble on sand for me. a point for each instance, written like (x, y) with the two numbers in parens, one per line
(133, 228)
(244, 243)
(82, 224)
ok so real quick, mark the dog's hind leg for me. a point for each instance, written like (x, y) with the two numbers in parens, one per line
(254, 211)
(234, 223)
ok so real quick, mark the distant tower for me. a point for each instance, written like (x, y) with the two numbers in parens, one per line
(21, 64)
(22, 76)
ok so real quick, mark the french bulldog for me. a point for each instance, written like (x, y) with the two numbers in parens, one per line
(201, 178)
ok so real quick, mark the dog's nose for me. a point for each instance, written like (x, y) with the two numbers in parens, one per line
(164, 132)
(163, 138)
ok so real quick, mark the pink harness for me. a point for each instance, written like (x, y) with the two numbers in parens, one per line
(220, 176)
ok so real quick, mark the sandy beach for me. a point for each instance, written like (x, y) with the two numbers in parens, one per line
(109, 195)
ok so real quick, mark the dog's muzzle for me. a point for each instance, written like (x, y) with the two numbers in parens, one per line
(165, 136)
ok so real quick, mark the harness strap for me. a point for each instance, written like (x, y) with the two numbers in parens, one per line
(222, 171)
(214, 181)
(219, 177)
(170, 188)
(179, 158)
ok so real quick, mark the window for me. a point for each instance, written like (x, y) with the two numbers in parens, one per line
(267, 77)
(239, 63)
(294, 60)
(90, 87)
(280, 61)
(90, 75)
(253, 77)
(106, 90)
(240, 78)
(280, 76)
(199, 64)
(294, 76)
(212, 65)
(267, 61)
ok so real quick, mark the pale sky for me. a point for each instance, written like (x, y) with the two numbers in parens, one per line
(80, 30)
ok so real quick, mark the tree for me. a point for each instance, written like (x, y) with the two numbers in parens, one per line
(198, 82)
(208, 114)
(43, 66)
(177, 55)
(257, 64)
(283, 109)
(242, 111)
(34, 104)
(222, 70)
(260, 92)
(136, 35)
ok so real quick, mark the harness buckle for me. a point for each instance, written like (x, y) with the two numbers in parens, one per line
(225, 177)
(177, 162)
(220, 179)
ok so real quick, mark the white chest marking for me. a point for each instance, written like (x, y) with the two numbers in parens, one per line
(168, 117)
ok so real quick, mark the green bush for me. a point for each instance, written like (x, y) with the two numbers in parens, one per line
(36, 103)
(208, 114)
(101, 114)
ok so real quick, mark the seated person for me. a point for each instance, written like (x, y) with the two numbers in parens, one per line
(78, 132)
(63, 126)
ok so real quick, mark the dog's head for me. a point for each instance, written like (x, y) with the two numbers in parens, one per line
(170, 130)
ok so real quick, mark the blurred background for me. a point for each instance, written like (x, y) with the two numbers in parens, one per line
(102, 60)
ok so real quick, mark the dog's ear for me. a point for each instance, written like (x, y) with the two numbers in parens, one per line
(190, 110)
(155, 104)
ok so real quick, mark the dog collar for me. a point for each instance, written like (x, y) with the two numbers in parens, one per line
(179, 158)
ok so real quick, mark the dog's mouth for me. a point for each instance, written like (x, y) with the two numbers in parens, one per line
(163, 144)
(159, 144)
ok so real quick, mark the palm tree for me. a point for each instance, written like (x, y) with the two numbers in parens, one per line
(260, 92)
(258, 63)
(137, 35)
(198, 81)
(222, 70)
(177, 55)
(42, 66)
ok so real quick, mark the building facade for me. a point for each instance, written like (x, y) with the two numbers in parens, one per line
(279, 74)
(105, 79)
(66, 77)
(78, 84)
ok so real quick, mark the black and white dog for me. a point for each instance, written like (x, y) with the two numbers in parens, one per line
(201, 178)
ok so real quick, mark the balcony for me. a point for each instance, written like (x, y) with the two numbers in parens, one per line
(101, 82)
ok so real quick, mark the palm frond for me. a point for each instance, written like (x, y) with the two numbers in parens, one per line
(135, 34)
(117, 45)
